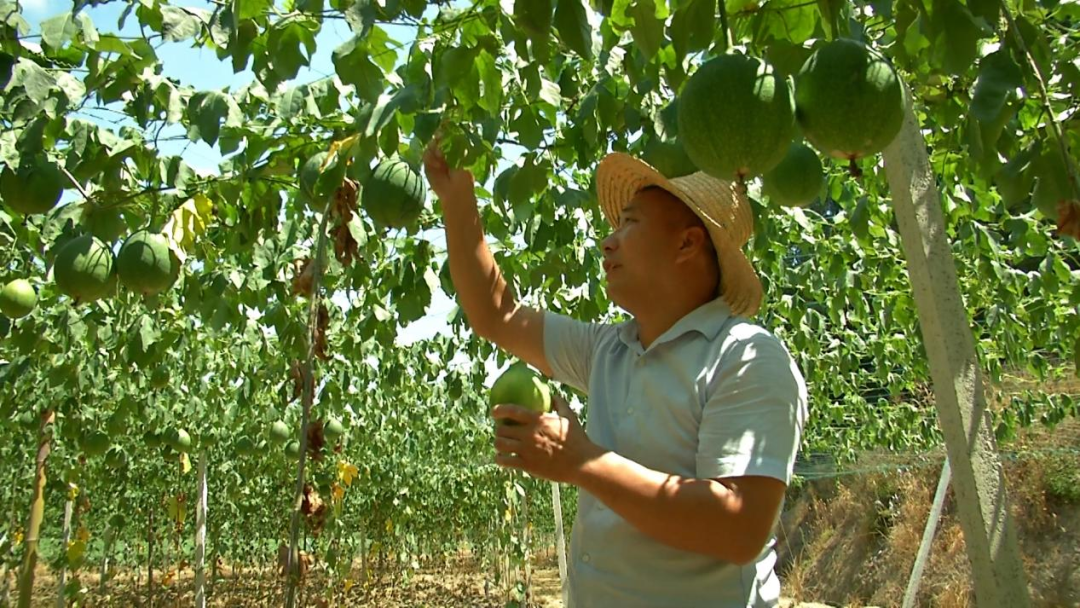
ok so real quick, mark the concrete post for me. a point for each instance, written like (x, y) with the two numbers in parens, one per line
(978, 481)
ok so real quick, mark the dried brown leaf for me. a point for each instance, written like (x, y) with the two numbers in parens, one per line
(296, 372)
(346, 249)
(315, 439)
(1069, 218)
(321, 325)
(304, 278)
(314, 509)
(345, 197)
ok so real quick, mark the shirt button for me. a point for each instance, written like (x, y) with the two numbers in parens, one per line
(586, 558)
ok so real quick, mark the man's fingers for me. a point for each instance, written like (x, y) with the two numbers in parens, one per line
(513, 413)
(505, 445)
(561, 407)
(509, 461)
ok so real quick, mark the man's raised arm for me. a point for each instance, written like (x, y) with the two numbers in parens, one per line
(483, 293)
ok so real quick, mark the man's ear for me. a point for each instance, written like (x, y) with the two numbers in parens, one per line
(693, 240)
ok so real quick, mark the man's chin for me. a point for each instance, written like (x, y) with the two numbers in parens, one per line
(616, 296)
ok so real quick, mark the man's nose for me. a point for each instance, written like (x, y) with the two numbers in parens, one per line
(609, 244)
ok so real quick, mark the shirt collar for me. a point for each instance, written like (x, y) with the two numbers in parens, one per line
(707, 319)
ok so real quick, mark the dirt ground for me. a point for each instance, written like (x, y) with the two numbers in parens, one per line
(848, 541)
(459, 585)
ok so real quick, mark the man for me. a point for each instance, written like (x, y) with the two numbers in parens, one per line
(695, 414)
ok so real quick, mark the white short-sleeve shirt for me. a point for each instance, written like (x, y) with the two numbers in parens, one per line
(714, 396)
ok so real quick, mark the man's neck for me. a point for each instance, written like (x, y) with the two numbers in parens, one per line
(658, 316)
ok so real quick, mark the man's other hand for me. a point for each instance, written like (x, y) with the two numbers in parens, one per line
(552, 445)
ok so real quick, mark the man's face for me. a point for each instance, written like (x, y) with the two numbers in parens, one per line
(643, 248)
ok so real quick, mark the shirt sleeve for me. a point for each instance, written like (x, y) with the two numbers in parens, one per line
(754, 416)
(569, 346)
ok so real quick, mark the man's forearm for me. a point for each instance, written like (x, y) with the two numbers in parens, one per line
(698, 515)
(481, 288)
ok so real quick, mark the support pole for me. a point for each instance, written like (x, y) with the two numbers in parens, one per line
(979, 482)
(928, 537)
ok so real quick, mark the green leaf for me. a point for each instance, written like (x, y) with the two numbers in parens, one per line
(58, 30)
(181, 23)
(354, 66)
(1015, 180)
(534, 17)
(529, 128)
(830, 16)
(147, 332)
(292, 102)
(207, 110)
(999, 77)
(378, 45)
(34, 79)
(572, 24)
(360, 16)
(792, 20)
(385, 107)
(884, 8)
(958, 36)
(285, 47)
(692, 27)
(1051, 182)
(491, 98)
(648, 30)
(454, 65)
(860, 219)
(251, 9)
(988, 11)
(356, 229)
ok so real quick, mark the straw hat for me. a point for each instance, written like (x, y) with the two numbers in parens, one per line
(721, 205)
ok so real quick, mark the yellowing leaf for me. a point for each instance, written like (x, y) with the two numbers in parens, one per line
(347, 472)
(337, 492)
(349, 584)
(338, 146)
(389, 526)
(185, 463)
(177, 509)
(18, 537)
(186, 223)
(170, 576)
(83, 534)
(73, 491)
(76, 550)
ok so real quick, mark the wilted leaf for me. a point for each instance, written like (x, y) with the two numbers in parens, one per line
(1069, 218)
(322, 324)
(303, 281)
(188, 222)
(316, 440)
(347, 472)
(314, 509)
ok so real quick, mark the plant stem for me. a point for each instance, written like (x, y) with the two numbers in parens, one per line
(307, 396)
(37, 514)
(75, 183)
(725, 27)
(69, 507)
(1040, 78)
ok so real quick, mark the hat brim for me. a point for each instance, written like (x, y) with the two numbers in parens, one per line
(619, 178)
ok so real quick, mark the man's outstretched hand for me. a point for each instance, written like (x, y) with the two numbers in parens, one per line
(450, 185)
(552, 446)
